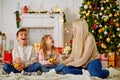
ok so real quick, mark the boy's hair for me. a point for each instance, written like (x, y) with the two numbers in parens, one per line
(21, 30)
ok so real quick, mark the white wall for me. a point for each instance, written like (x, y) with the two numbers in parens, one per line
(8, 7)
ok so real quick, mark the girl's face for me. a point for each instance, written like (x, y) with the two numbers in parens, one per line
(73, 30)
(50, 41)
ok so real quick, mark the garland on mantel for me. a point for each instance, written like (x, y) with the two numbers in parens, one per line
(18, 19)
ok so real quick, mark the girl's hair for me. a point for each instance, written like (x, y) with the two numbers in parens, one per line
(44, 46)
(80, 35)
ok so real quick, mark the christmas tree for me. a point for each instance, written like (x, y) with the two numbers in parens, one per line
(103, 18)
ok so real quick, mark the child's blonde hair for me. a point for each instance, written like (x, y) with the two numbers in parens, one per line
(44, 46)
(81, 33)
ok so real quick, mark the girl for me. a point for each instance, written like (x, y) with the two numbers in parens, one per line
(48, 55)
(84, 52)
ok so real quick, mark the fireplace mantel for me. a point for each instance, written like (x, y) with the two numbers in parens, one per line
(44, 20)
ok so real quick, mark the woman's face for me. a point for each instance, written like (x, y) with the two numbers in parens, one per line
(73, 30)
(50, 41)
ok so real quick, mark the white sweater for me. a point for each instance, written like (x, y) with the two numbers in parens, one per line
(26, 54)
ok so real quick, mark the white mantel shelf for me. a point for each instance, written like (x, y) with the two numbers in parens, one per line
(43, 20)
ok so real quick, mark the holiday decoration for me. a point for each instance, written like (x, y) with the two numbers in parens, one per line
(104, 60)
(111, 59)
(8, 57)
(103, 18)
(18, 19)
(51, 60)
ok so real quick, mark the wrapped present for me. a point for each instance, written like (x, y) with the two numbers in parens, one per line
(104, 60)
(8, 57)
(111, 59)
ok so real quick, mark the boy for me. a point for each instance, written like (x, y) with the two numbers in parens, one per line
(24, 57)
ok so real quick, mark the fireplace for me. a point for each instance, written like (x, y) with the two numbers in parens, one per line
(40, 24)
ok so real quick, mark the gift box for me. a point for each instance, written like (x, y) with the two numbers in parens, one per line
(117, 61)
(104, 60)
(8, 57)
(111, 59)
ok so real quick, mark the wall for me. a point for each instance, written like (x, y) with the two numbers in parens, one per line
(8, 7)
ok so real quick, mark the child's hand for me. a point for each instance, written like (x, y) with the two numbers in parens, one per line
(20, 67)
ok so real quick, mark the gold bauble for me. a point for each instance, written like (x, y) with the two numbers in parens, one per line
(105, 11)
(79, 11)
(100, 30)
(115, 14)
(113, 35)
(110, 15)
(100, 37)
(103, 46)
(88, 3)
(87, 14)
(105, 19)
(117, 24)
(95, 21)
(107, 1)
(108, 39)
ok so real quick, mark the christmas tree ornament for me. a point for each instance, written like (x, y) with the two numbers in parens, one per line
(100, 13)
(86, 6)
(114, 20)
(105, 19)
(88, 3)
(115, 14)
(108, 39)
(94, 26)
(119, 50)
(118, 29)
(93, 3)
(117, 4)
(100, 30)
(105, 32)
(111, 22)
(100, 25)
(108, 7)
(119, 35)
(117, 24)
(95, 8)
(107, 1)
(110, 15)
(110, 33)
(79, 11)
(103, 46)
(113, 35)
(90, 7)
(102, 8)
(99, 42)
(93, 31)
(87, 14)
(101, 37)
(105, 11)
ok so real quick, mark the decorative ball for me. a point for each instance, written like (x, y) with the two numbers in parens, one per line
(105, 32)
(119, 35)
(105, 19)
(86, 6)
(51, 60)
(119, 50)
(100, 25)
(118, 29)
(16, 65)
(88, 3)
(113, 35)
(102, 8)
(115, 14)
(107, 1)
(87, 14)
(100, 13)
(100, 37)
(110, 15)
(110, 33)
(105, 11)
(103, 46)
(95, 8)
(111, 22)
(108, 39)
(90, 6)
(79, 11)
(100, 30)
(93, 31)
(117, 24)
(94, 26)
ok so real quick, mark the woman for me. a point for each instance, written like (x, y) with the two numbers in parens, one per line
(84, 52)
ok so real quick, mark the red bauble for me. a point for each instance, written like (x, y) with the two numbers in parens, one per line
(94, 26)
(110, 33)
(111, 22)
(99, 42)
(106, 55)
(95, 8)
(93, 3)
(25, 9)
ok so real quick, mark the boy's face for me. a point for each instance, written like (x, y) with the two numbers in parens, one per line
(22, 37)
